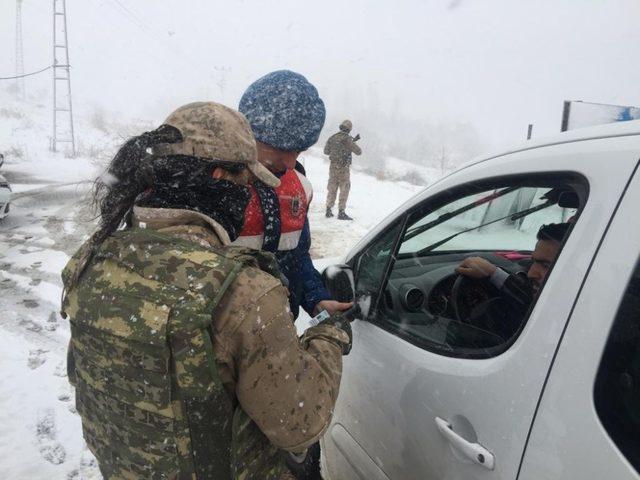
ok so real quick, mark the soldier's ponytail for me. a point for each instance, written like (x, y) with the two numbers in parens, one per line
(129, 174)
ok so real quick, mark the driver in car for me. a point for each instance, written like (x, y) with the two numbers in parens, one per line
(519, 289)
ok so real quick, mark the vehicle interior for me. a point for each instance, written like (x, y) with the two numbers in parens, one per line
(428, 303)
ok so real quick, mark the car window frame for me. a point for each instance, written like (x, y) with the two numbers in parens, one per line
(356, 262)
(577, 180)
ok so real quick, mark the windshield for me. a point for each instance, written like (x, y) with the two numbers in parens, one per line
(488, 225)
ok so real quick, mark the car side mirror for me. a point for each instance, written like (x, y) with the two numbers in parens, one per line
(1, 159)
(339, 281)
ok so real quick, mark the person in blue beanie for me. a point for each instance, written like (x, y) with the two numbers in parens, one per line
(286, 115)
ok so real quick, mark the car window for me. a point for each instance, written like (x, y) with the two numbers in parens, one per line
(427, 302)
(372, 263)
(494, 209)
(617, 388)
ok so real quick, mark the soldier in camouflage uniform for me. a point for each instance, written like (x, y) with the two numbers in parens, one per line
(339, 147)
(183, 351)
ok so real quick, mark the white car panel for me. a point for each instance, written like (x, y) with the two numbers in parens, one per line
(568, 440)
(392, 391)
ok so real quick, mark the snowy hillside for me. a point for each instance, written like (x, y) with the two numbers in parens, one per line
(41, 435)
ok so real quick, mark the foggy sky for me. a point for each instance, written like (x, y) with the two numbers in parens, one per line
(495, 64)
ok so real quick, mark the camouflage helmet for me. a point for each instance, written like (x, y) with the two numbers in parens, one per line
(346, 126)
(214, 132)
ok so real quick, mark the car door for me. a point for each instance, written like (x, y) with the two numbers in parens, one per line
(411, 410)
(588, 422)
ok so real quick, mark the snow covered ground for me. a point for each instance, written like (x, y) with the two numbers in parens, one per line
(370, 200)
(40, 435)
(40, 432)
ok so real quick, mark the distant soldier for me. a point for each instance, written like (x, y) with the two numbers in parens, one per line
(183, 351)
(339, 147)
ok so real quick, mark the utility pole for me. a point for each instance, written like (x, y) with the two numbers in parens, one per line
(62, 106)
(566, 111)
(443, 160)
(20, 89)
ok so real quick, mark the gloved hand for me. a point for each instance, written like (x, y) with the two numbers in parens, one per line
(356, 138)
(335, 329)
(341, 321)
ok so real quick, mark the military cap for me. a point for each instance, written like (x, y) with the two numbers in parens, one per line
(214, 132)
(346, 126)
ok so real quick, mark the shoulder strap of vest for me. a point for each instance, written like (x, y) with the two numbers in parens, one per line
(270, 206)
(260, 259)
(242, 256)
(72, 271)
(207, 255)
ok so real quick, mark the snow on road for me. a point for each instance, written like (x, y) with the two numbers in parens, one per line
(40, 434)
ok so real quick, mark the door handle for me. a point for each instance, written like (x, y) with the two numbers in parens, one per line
(474, 451)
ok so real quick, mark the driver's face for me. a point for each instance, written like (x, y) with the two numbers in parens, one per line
(543, 256)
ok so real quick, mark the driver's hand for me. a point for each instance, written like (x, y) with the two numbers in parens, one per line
(476, 267)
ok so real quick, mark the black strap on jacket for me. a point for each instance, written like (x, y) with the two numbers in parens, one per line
(270, 206)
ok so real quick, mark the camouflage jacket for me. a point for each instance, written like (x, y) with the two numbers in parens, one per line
(285, 386)
(339, 147)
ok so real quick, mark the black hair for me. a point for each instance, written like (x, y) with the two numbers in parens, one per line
(132, 174)
(555, 232)
(134, 170)
(128, 175)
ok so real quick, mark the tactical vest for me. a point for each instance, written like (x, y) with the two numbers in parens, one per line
(141, 358)
(338, 149)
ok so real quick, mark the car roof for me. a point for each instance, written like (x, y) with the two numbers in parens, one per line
(617, 129)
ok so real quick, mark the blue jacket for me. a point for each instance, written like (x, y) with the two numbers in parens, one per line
(305, 283)
(306, 287)
(263, 227)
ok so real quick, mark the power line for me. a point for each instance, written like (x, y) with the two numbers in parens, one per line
(150, 52)
(154, 34)
(19, 52)
(27, 74)
(130, 13)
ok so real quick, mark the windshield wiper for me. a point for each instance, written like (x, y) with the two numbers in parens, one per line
(446, 216)
(512, 216)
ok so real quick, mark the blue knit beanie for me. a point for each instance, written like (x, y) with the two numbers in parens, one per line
(284, 110)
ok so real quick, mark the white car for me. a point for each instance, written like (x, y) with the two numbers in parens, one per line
(5, 197)
(447, 379)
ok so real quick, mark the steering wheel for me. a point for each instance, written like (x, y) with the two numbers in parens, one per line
(472, 298)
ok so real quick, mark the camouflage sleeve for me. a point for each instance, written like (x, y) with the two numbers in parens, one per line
(355, 148)
(288, 390)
